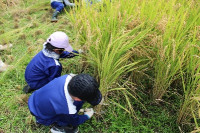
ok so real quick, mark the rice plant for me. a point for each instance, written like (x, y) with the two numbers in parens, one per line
(180, 20)
(191, 81)
(102, 30)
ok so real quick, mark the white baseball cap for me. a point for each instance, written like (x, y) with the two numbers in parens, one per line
(60, 40)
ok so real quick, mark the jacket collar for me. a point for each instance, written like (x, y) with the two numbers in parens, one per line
(49, 53)
(70, 101)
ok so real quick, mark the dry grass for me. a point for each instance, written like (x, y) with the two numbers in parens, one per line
(22, 99)
(6, 4)
(161, 26)
(133, 24)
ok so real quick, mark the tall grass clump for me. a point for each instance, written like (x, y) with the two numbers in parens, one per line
(191, 80)
(180, 18)
(177, 57)
(102, 29)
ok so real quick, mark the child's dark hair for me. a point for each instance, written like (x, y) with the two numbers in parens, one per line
(84, 87)
(50, 47)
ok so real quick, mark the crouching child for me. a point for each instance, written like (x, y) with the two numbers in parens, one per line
(45, 66)
(59, 6)
(59, 102)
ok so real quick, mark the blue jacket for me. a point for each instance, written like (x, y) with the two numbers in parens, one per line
(42, 69)
(52, 104)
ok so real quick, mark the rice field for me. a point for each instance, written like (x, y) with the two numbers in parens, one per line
(145, 54)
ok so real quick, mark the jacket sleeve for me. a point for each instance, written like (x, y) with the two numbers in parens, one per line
(78, 105)
(66, 54)
(73, 120)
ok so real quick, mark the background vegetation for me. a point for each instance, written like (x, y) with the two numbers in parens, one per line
(145, 54)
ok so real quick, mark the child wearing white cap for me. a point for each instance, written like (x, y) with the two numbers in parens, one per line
(45, 66)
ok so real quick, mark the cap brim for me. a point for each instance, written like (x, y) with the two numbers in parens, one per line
(69, 48)
(97, 99)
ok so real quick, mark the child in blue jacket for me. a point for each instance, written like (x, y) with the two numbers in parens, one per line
(59, 5)
(59, 102)
(45, 66)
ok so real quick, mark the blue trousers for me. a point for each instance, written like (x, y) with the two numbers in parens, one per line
(57, 5)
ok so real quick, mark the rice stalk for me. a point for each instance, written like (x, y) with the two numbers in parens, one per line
(102, 30)
(191, 80)
(171, 53)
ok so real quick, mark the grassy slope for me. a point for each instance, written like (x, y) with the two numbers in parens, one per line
(27, 26)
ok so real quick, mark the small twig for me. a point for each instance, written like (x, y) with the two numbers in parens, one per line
(162, 101)
(180, 129)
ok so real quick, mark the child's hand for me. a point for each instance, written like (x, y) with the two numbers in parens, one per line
(89, 112)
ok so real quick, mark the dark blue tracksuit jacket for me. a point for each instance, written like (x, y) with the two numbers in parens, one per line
(42, 69)
(52, 104)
